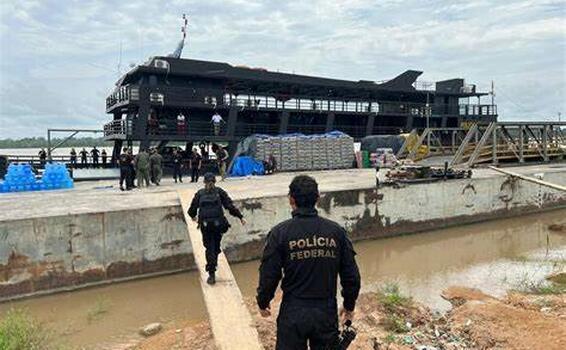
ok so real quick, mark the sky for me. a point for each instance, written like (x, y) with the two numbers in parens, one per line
(59, 59)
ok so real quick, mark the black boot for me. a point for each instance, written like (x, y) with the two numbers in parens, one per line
(211, 278)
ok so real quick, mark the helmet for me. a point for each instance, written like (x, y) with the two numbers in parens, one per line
(209, 177)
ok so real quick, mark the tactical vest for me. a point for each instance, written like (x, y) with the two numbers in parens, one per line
(210, 205)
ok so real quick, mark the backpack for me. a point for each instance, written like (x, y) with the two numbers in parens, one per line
(211, 211)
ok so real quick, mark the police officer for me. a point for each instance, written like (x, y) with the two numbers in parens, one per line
(309, 252)
(177, 166)
(142, 168)
(155, 164)
(209, 202)
(125, 161)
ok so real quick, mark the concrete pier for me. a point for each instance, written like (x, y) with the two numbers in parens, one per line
(95, 234)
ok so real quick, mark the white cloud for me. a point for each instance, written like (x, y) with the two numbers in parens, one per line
(58, 59)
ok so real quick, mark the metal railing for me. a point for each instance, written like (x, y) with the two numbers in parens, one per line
(123, 94)
(119, 128)
(477, 110)
(379, 108)
(300, 104)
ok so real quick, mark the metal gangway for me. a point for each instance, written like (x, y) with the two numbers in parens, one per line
(512, 142)
(431, 142)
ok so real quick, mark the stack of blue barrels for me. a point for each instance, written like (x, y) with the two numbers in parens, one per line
(20, 178)
(55, 177)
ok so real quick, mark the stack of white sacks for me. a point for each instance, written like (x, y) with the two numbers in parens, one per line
(289, 153)
(347, 151)
(299, 152)
(263, 148)
(319, 153)
(304, 153)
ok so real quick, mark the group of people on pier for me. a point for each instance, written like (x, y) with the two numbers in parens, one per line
(95, 155)
(97, 158)
(146, 167)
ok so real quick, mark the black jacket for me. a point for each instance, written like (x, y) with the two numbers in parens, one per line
(224, 199)
(309, 252)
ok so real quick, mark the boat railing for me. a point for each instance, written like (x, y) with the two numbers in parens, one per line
(118, 128)
(122, 95)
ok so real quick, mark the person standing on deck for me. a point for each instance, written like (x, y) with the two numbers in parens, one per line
(124, 160)
(104, 158)
(177, 166)
(181, 124)
(73, 157)
(209, 203)
(308, 253)
(142, 168)
(216, 121)
(221, 158)
(195, 164)
(42, 156)
(203, 150)
(156, 163)
(95, 153)
(132, 169)
(84, 155)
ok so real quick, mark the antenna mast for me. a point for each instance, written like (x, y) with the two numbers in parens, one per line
(179, 50)
(492, 93)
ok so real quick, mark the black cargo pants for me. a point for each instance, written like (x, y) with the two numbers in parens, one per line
(211, 238)
(125, 176)
(302, 322)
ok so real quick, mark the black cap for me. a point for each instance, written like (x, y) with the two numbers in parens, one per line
(209, 177)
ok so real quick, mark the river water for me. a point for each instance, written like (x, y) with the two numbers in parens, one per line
(494, 256)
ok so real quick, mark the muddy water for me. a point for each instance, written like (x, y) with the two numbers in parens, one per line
(493, 256)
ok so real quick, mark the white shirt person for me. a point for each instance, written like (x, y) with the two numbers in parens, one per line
(216, 121)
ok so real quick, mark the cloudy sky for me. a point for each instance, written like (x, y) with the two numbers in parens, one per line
(60, 58)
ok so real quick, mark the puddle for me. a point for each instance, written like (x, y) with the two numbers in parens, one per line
(493, 256)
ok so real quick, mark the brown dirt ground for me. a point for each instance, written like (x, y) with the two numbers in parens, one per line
(477, 321)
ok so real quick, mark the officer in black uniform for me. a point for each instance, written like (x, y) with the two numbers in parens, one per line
(209, 202)
(125, 161)
(309, 252)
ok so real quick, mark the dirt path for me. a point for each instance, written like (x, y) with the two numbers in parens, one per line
(388, 320)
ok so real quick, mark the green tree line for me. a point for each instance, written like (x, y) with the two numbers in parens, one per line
(37, 142)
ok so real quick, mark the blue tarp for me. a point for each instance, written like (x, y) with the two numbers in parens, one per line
(244, 166)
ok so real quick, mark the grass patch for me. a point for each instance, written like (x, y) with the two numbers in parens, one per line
(19, 331)
(100, 307)
(391, 298)
(558, 278)
(395, 305)
(528, 286)
(389, 339)
(395, 323)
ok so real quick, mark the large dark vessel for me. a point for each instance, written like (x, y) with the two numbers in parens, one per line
(148, 99)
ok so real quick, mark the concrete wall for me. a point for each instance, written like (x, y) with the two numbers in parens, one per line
(46, 254)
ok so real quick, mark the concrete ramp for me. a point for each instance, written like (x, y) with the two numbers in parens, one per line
(232, 324)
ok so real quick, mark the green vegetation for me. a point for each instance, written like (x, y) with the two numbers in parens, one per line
(559, 278)
(395, 305)
(389, 339)
(100, 307)
(391, 298)
(18, 331)
(528, 286)
(37, 142)
(395, 323)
